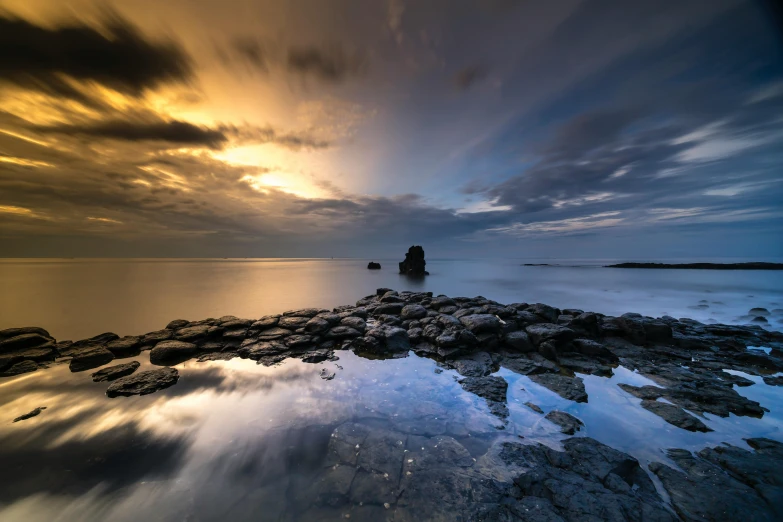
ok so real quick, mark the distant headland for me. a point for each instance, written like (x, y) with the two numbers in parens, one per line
(703, 266)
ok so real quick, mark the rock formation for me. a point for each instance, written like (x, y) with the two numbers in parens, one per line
(414, 262)
(372, 265)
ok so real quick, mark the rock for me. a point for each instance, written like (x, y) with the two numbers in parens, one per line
(593, 348)
(357, 323)
(19, 368)
(480, 323)
(22, 341)
(316, 325)
(292, 322)
(172, 352)
(534, 407)
(725, 484)
(413, 311)
(542, 332)
(268, 321)
(414, 262)
(153, 338)
(675, 415)
(143, 383)
(326, 374)
(176, 324)
(342, 332)
(519, 341)
(30, 415)
(192, 333)
(571, 388)
(759, 312)
(382, 452)
(479, 364)
(442, 301)
(298, 341)
(492, 389)
(115, 372)
(125, 347)
(372, 265)
(390, 339)
(774, 381)
(14, 332)
(548, 313)
(89, 357)
(388, 309)
(579, 363)
(567, 422)
(273, 334)
(716, 397)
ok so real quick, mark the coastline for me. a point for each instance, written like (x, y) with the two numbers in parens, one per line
(475, 337)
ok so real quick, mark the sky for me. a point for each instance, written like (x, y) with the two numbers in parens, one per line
(356, 128)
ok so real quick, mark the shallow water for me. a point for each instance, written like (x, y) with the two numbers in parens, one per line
(79, 298)
(233, 440)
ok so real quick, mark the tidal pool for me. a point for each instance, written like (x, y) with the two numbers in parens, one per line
(233, 440)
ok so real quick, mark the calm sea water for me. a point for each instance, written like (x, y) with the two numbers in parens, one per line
(79, 298)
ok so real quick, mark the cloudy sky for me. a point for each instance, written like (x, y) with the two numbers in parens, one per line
(515, 128)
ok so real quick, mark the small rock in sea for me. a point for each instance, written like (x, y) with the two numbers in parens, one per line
(115, 372)
(326, 374)
(536, 408)
(758, 311)
(414, 262)
(30, 415)
(567, 422)
(143, 383)
(774, 381)
(372, 265)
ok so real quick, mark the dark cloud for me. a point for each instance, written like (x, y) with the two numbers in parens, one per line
(469, 76)
(174, 131)
(331, 64)
(118, 56)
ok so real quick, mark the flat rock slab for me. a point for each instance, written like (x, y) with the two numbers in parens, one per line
(31, 414)
(571, 388)
(726, 482)
(492, 389)
(567, 422)
(675, 415)
(143, 383)
(89, 357)
(113, 373)
(172, 352)
(19, 368)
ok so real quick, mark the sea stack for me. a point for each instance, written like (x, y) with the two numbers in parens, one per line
(414, 262)
(372, 265)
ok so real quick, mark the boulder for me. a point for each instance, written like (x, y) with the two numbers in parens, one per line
(675, 415)
(372, 265)
(571, 388)
(125, 346)
(89, 357)
(143, 383)
(22, 341)
(567, 422)
(519, 341)
(414, 263)
(413, 311)
(172, 352)
(115, 372)
(479, 323)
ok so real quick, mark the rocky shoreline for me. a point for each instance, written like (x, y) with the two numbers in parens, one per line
(475, 337)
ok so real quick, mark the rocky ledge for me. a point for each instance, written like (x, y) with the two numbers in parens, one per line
(476, 336)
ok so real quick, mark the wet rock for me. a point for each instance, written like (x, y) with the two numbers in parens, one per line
(534, 407)
(342, 332)
(567, 422)
(593, 348)
(191, 333)
(382, 452)
(125, 347)
(319, 355)
(372, 265)
(89, 357)
(675, 415)
(326, 374)
(579, 363)
(292, 322)
(519, 341)
(172, 352)
(329, 488)
(24, 340)
(492, 389)
(306, 312)
(543, 311)
(153, 338)
(176, 324)
(143, 383)
(115, 372)
(414, 263)
(571, 388)
(298, 341)
(706, 490)
(19, 368)
(705, 397)
(413, 311)
(388, 309)
(273, 334)
(31, 414)
(14, 332)
(479, 364)
(268, 321)
(442, 301)
(542, 332)
(357, 323)
(479, 323)
(389, 339)
(774, 381)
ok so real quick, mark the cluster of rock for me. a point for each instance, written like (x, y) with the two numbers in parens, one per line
(414, 263)
(475, 337)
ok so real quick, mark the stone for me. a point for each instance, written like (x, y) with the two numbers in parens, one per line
(125, 346)
(675, 415)
(413, 311)
(534, 407)
(273, 334)
(372, 265)
(388, 309)
(115, 372)
(414, 263)
(542, 332)
(492, 389)
(567, 422)
(143, 383)
(326, 374)
(192, 333)
(31, 414)
(357, 323)
(292, 322)
(172, 352)
(176, 324)
(774, 381)
(546, 312)
(342, 332)
(389, 339)
(19, 368)
(89, 357)
(14, 332)
(571, 388)
(268, 321)
(154, 338)
(519, 341)
(481, 323)
(22, 341)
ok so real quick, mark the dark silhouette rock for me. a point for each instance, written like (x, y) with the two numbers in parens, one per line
(414, 262)
(113, 373)
(372, 265)
(143, 383)
(31, 414)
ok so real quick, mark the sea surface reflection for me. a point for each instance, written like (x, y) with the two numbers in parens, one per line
(233, 440)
